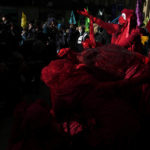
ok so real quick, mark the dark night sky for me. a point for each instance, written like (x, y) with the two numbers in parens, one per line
(53, 3)
(38, 2)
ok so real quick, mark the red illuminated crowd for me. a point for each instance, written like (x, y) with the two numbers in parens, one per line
(98, 82)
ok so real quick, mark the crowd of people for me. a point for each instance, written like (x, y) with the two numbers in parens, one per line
(25, 51)
(98, 83)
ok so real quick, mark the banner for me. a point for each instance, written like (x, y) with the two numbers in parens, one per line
(23, 20)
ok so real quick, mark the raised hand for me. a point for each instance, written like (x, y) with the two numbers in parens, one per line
(84, 13)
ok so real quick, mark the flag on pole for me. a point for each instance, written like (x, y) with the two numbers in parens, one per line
(72, 19)
(146, 20)
(144, 39)
(115, 21)
(100, 12)
(87, 23)
(139, 12)
(23, 20)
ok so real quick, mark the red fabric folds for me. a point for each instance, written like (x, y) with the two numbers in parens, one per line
(100, 87)
(63, 52)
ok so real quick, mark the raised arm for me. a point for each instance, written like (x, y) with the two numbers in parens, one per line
(109, 27)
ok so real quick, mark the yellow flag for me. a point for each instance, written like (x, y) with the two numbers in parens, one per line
(144, 39)
(146, 20)
(23, 20)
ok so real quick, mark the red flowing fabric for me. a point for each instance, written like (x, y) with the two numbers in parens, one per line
(63, 52)
(107, 63)
(92, 39)
(112, 59)
(94, 90)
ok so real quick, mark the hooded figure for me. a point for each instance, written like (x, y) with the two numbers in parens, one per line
(125, 34)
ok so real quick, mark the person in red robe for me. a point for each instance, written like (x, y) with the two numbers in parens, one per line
(102, 91)
(125, 34)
